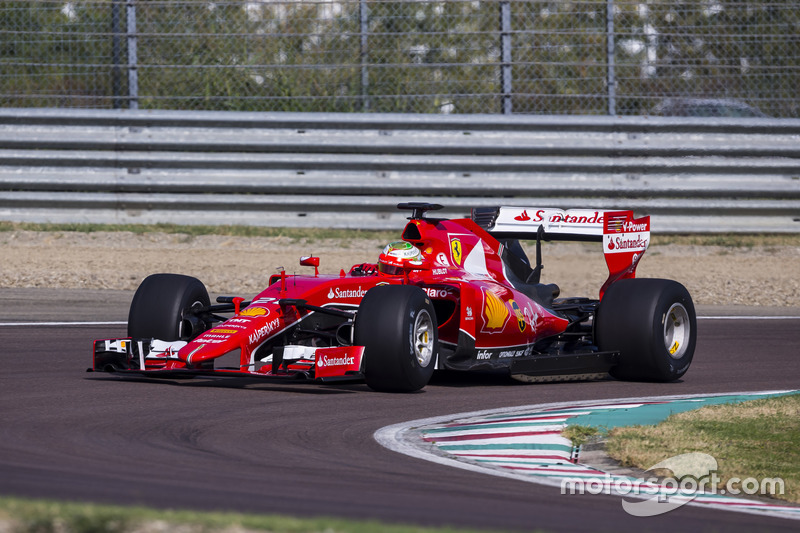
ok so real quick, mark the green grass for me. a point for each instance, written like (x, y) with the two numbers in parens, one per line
(733, 240)
(40, 516)
(756, 439)
(580, 435)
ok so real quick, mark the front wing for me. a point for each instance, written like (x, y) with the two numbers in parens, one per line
(288, 363)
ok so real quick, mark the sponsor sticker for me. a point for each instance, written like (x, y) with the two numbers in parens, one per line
(223, 331)
(495, 311)
(437, 292)
(337, 361)
(337, 294)
(456, 251)
(484, 355)
(254, 311)
(627, 242)
(520, 317)
(264, 330)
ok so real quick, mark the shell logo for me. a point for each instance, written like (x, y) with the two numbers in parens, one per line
(254, 311)
(494, 311)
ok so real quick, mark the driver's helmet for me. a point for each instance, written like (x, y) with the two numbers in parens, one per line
(396, 255)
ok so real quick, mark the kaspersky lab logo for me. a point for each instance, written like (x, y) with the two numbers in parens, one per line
(688, 476)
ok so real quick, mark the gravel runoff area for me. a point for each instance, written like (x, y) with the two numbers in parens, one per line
(766, 276)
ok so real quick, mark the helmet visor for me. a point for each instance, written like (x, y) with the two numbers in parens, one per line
(390, 270)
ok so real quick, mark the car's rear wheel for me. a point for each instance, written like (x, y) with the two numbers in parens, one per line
(652, 323)
(397, 326)
(162, 308)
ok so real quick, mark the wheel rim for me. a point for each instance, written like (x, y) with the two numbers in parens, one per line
(676, 331)
(423, 338)
(185, 324)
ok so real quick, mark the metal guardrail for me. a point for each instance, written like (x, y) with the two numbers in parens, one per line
(350, 170)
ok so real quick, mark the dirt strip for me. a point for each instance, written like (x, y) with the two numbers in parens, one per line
(715, 275)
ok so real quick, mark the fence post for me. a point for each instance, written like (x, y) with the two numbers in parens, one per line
(364, 16)
(505, 59)
(611, 80)
(116, 56)
(133, 59)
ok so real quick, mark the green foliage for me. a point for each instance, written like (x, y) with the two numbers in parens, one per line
(438, 56)
(39, 516)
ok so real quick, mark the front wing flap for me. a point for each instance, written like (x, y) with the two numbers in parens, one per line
(159, 358)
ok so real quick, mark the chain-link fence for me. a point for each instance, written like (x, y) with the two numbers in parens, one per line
(628, 57)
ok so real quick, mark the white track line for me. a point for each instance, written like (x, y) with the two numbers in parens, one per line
(58, 324)
(748, 317)
(61, 324)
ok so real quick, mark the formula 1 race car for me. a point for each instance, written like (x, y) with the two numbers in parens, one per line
(456, 294)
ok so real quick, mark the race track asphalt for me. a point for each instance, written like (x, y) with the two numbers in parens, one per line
(308, 450)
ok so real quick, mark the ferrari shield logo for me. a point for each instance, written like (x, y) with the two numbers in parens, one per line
(455, 247)
(520, 316)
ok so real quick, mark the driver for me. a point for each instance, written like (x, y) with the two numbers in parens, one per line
(396, 255)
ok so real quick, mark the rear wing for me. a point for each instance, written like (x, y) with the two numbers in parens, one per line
(548, 223)
(624, 237)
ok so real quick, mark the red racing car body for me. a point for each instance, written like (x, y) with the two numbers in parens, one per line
(456, 294)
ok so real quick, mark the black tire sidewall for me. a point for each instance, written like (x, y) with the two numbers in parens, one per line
(630, 320)
(159, 305)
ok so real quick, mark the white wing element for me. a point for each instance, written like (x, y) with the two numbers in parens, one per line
(554, 221)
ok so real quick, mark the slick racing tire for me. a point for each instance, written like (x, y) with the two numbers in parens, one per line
(397, 326)
(161, 308)
(652, 323)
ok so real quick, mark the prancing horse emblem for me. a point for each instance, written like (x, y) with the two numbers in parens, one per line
(455, 247)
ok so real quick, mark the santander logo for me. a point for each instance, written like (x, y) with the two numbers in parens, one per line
(325, 361)
(523, 217)
(337, 293)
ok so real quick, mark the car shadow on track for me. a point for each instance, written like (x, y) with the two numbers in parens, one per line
(246, 384)
(500, 378)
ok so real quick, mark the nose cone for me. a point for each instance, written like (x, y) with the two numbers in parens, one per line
(244, 331)
(212, 344)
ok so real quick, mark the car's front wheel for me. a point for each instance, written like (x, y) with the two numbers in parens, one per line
(652, 323)
(397, 326)
(162, 308)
